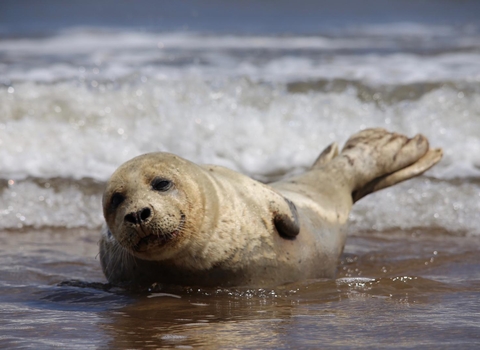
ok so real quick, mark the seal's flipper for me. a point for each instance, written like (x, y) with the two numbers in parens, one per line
(285, 217)
(432, 157)
(327, 155)
(115, 261)
(376, 153)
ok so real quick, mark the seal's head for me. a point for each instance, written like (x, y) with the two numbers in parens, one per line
(150, 205)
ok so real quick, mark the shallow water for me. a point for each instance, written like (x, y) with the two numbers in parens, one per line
(397, 289)
(263, 96)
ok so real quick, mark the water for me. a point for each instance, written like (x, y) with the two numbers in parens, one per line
(261, 89)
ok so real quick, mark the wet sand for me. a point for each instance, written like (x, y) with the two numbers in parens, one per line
(395, 289)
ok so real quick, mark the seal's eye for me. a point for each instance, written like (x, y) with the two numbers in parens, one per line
(116, 200)
(161, 184)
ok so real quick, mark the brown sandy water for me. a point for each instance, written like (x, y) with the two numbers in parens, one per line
(393, 290)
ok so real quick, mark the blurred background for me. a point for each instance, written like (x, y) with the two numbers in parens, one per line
(35, 18)
(260, 87)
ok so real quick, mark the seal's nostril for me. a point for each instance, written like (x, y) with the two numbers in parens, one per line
(144, 214)
(138, 217)
(131, 218)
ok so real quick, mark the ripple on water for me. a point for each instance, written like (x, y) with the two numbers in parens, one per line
(416, 283)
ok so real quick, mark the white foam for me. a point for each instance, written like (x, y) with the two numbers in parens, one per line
(87, 41)
(421, 203)
(91, 109)
(27, 204)
(73, 131)
(100, 55)
(405, 29)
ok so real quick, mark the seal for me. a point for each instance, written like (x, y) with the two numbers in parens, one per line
(171, 221)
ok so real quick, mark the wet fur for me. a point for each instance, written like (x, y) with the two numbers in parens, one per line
(239, 232)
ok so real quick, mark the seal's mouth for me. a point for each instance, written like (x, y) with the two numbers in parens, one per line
(159, 239)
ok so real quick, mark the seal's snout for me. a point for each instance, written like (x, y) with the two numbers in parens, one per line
(138, 217)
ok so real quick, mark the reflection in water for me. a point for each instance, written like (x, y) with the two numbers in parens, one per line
(405, 310)
(397, 288)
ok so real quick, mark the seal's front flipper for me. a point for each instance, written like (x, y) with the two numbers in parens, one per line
(285, 217)
(116, 263)
(432, 157)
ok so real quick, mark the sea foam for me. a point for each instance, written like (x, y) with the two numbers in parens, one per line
(77, 105)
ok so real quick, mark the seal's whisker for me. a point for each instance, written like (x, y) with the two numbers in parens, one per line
(116, 259)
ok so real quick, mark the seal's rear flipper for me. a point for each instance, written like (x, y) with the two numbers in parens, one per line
(431, 158)
(327, 155)
(375, 158)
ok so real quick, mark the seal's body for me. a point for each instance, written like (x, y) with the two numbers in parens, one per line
(172, 221)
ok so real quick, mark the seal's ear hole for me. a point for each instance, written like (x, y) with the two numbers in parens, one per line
(116, 200)
(161, 184)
